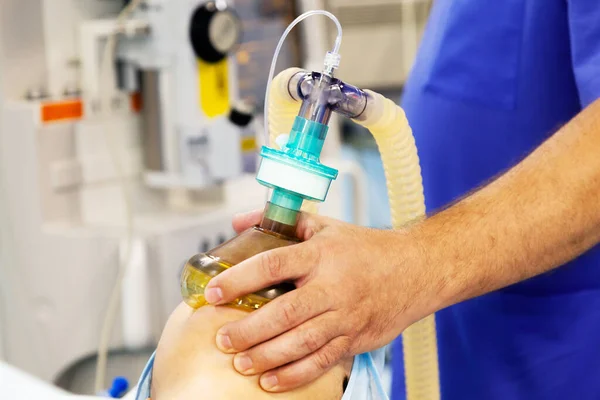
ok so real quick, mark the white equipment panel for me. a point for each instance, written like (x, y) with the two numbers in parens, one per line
(62, 218)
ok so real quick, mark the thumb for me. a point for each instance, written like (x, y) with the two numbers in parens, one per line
(243, 221)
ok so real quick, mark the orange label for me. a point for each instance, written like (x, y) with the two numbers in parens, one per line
(136, 102)
(61, 111)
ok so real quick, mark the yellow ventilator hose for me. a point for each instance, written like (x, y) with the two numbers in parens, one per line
(389, 126)
(283, 109)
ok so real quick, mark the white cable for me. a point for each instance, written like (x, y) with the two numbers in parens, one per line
(335, 51)
(107, 83)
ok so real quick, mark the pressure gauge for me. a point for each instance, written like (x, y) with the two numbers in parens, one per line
(214, 32)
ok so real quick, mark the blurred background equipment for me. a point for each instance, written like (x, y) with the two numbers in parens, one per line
(135, 166)
(63, 209)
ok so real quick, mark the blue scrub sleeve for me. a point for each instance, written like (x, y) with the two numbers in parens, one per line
(584, 27)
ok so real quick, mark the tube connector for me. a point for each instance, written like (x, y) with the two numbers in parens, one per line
(321, 94)
(332, 62)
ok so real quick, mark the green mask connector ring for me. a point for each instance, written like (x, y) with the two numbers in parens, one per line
(276, 212)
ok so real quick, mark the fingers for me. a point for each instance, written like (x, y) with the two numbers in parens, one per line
(241, 222)
(261, 271)
(307, 369)
(280, 315)
(308, 224)
(291, 346)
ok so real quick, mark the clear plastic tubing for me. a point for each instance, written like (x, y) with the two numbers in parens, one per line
(336, 49)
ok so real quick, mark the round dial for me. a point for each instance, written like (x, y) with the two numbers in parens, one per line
(224, 31)
(213, 32)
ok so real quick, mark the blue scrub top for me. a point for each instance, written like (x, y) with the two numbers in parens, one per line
(493, 79)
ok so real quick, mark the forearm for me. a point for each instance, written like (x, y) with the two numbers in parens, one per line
(542, 213)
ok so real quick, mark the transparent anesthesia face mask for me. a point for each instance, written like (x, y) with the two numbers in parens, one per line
(201, 268)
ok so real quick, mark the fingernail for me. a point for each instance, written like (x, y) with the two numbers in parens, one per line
(269, 382)
(213, 295)
(223, 342)
(242, 363)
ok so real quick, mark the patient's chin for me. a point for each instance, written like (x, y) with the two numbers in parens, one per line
(189, 365)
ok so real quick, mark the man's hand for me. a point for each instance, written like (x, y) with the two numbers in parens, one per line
(355, 292)
(358, 288)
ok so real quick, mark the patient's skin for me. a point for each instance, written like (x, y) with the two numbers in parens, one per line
(188, 364)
